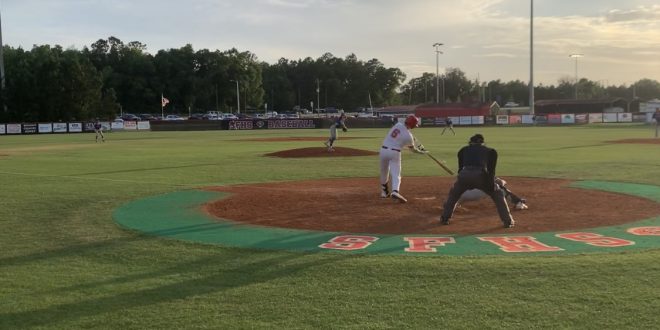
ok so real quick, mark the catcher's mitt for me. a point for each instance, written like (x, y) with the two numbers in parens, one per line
(345, 129)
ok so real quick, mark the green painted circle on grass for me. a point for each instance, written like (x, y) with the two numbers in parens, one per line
(178, 215)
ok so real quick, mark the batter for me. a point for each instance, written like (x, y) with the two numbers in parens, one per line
(398, 138)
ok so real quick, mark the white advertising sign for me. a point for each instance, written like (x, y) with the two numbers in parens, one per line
(568, 118)
(45, 128)
(14, 129)
(595, 117)
(2, 129)
(131, 125)
(502, 119)
(116, 125)
(477, 120)
(610, 117)
(143, 125)
(465, 120)
(527, 119)
(59, 127)
(75, 127)
(624, 117)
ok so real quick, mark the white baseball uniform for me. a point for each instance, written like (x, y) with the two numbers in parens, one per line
(398, 138)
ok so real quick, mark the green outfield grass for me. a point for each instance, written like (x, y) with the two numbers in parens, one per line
(65, 264)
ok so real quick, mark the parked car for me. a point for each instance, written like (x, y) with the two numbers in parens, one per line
(211, 116)
(173, 117)
(130, 117)
(197, 116)
(147, 116)
(229, 116)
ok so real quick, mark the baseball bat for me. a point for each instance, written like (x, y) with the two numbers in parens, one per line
(444, 167)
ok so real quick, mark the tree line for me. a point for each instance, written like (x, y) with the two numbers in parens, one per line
(49, 83)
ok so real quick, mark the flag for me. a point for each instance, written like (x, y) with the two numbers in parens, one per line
(164, 101)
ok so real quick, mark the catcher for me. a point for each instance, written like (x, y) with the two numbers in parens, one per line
(476, 170)
(340, 122)
(476, 194)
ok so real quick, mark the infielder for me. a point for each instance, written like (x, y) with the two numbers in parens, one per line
(476, 194)
(448, 124)
(398, 137)
(476, 170)
(98, 129)
(339, 123)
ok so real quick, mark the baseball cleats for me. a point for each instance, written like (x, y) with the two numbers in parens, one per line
(510, 224)
(521, 206)
(385, 191)
(444, 221)
(397, 196)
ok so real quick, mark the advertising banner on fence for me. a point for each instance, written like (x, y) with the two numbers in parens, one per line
(624, 117)
(515, 119)
(46, 128)
(3, 129)
(293, 123)
(14, 129)
(59, 127)
(117, 125)
(477, 120)
(502, 119)
(581, 118)
(143, 125)
(527, 119)
(88, 127)
(241, 124)
(610, 117)
(30, 128)
(554, 118)
(595, 117)
(463, 120)
(568, 118)
(130, 125)
(75, 127)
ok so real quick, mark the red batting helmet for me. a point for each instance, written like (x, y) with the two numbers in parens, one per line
(412, 121)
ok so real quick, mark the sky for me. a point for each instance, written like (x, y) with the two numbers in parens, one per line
(486, 39)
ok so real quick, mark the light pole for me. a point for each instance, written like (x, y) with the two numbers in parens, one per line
(531, 57)
(437, 73)
(238, 97)
(576, 56)
(318, 91)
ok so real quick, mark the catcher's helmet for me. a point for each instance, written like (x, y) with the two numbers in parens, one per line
(412, 121)
(477, 139)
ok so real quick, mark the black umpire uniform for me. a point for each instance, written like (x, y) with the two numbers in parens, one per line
(476, 170)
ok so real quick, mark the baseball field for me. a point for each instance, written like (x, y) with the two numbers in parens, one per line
(68, 261)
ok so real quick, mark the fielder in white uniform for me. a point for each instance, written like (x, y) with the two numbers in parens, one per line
(398, 138)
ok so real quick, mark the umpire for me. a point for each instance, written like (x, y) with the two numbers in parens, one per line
(476, 170)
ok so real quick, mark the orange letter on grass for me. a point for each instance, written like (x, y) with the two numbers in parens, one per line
(426, 244)
(645, 231)
(349, 243)
(519, 244)
(596, 239)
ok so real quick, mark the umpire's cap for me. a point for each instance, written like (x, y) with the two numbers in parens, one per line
(477, 139)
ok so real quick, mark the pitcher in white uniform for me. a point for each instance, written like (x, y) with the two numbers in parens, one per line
(398, 138)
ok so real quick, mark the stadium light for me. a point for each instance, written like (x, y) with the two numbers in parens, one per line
(576, 56)
(437, 73)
